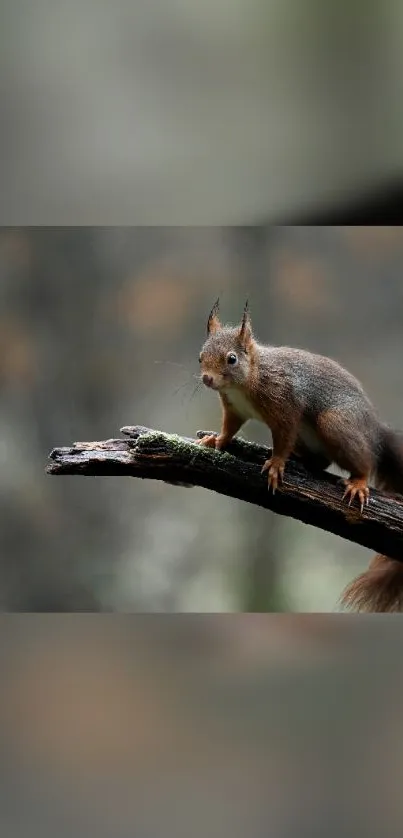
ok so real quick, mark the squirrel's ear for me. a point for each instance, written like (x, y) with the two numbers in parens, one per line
(245, 332)
(213, 322)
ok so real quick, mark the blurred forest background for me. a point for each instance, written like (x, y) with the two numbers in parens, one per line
(101, 327)
(221, 726)
(178, 112)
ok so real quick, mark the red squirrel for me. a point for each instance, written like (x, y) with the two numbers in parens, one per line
(316, 410)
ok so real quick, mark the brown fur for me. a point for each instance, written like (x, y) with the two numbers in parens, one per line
(230, 425)
(346, 444)
(317, 409)
(380, 588)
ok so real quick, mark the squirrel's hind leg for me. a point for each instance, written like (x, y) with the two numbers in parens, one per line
(350, 449)
(357, 486)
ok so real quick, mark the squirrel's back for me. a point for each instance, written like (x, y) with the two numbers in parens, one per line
(318, 383)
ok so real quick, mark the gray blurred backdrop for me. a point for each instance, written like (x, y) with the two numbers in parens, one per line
(102, 327)
(159, 727)
(173, 112)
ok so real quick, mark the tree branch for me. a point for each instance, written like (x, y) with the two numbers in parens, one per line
(312, 499)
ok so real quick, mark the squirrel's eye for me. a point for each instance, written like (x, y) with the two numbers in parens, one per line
(200, 359)
(232, 358)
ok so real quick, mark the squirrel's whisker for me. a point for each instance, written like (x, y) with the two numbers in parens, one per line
(172, 364)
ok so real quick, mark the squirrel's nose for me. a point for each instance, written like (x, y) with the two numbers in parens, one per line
(207, 380)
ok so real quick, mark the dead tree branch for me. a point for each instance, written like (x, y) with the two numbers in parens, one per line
(312, 499)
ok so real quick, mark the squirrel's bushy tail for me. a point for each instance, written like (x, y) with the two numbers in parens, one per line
(380, 588)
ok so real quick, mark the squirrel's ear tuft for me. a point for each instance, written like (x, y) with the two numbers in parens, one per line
(245, 332)
(213, 322)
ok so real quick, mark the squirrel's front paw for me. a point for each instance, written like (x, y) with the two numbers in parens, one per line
(209, 441)
(275, 468)
(213, 441)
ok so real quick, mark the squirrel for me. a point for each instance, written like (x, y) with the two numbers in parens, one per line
(317, 411)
